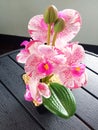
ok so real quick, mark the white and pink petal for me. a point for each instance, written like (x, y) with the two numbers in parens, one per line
(37, 28)
(44, 90)
(28, 96)
(22, 56)
(72, 24)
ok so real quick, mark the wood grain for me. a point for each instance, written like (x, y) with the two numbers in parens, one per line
(12, 115)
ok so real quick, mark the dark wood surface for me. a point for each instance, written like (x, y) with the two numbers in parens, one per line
(18, 114)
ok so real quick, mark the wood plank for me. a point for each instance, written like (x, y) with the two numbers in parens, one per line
(10, 75)
(87, 107)
(92, 85)
(12, 115)
(13, 55)
(91, 61)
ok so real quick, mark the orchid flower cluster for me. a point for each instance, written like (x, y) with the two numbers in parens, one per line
(51, 59)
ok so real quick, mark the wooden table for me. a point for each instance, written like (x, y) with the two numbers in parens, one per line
(18, 114)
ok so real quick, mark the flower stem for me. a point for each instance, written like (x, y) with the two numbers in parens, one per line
(54, 39)
(46, 79)
(48, 34)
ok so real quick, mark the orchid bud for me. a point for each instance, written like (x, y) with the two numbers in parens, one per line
(59, 25)
(50, 15)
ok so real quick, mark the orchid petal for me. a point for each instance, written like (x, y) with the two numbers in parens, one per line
(46, 50)
(59, 59)
(24, 43)
(27, 95)
(78, 53)
(22, 56)
(38, 27)
(72, 24)
(31, 65)
(75, 53)
(33, 87)
(44, 90)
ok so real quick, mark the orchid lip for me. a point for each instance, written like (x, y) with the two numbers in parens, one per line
(46, 68)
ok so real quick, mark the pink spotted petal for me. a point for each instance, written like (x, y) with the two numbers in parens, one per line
(73, 23)
(33, 83)
(75, 53)
(46, 50)
(70, 84)
(84, 79)
(44, 90)
(60, 43)
(22, 56)
(27, 95)
(31, 65)
(78, 53)
(59, 59)
(76, 86)
(33, 46)
(34, 92)
(37, 28)
(81, 81)
(31, 43)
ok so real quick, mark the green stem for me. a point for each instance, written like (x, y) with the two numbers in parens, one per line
(48, 34)
(46, 79)
(54, 39)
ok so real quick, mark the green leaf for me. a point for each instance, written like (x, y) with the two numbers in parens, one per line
(61, 101)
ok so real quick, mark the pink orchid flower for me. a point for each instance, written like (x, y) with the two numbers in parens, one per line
(27, 51)
(39, 64)
(44, 62)
(71, 81)
(35, 91)
(37, 28)
(73, 75)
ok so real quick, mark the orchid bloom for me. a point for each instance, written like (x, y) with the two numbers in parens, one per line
(37, 28)
(71, 81)
(35, 90)
(40, 64)
(74, 75)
